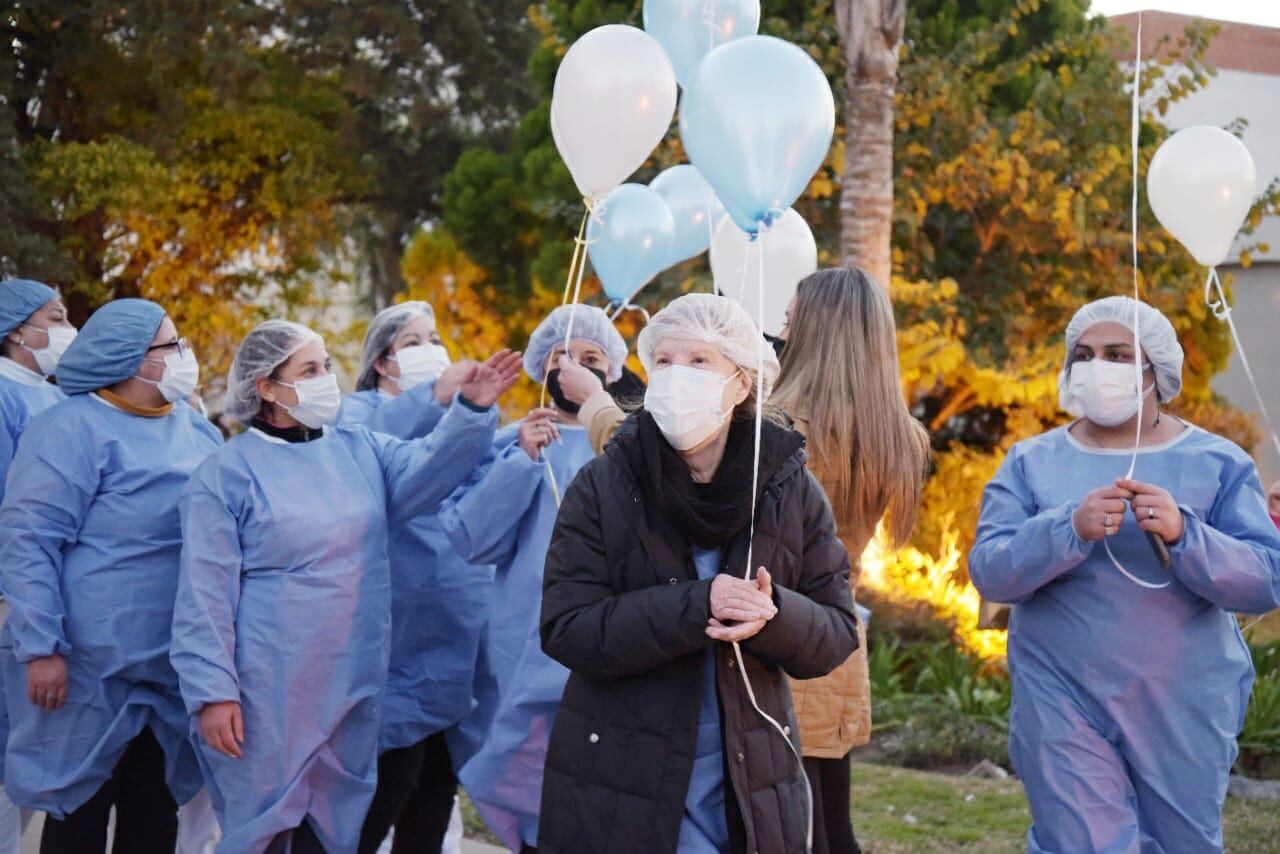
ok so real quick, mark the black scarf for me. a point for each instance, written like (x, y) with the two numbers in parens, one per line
(709, 515)
(292, 435)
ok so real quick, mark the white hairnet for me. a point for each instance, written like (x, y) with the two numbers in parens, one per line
(263, 350)
(383, 329)
(589, 324)
(715, 320)
(1156, 337)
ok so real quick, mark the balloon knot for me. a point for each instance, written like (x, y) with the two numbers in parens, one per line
(770, 217)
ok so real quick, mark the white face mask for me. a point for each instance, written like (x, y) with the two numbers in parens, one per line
(47, 357)
(180, 378)
(1105, 392)
(420, 363)
(686, 403)
(318, 401)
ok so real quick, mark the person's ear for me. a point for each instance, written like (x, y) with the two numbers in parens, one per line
(381, 366)
(743, 390)
(266, 389)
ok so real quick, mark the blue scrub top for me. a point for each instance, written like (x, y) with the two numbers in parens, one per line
(705, 828)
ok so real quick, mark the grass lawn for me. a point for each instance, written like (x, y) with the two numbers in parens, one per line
(900, 810)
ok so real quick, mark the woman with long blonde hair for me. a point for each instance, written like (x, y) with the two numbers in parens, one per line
(841, 384)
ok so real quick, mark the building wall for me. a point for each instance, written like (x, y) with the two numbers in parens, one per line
(1256, 312)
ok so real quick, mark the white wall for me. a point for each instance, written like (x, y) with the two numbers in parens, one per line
(1256, 312)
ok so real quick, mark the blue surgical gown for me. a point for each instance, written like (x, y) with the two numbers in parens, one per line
(1126, 701)
(23, 395)
(284, 606)
(438, 600)
(89, 545)
(505, 516)
(705, 827)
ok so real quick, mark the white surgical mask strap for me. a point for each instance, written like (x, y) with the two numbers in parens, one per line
(47, 337)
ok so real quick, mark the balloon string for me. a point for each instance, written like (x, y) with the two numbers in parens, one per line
(594, 211)
(1135, 115)
(711, 238)
(1252, 623)
(578, 244)
(755, 489)
(755, 463)
(709, 18)
(1222, 310)
(1133, 242)
(746, 265)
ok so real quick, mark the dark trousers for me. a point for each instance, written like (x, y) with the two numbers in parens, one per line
(146, 813)
(832, 827)
(416, 787)
(301, 840)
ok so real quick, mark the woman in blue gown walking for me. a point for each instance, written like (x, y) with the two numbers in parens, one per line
(89, 545)
(504, 516)
(283, 620)
(34, 333)
(439, 602)
(1130, 681)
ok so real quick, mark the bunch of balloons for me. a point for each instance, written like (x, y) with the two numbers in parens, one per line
(756, 119)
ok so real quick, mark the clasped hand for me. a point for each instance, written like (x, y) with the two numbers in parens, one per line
(1102, 510)
(746, 603)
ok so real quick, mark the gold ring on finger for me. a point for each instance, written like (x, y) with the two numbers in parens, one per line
(1107, 520)
(1108, 530)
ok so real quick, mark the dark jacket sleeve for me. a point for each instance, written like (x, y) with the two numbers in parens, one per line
(815, 629)
(595, 631)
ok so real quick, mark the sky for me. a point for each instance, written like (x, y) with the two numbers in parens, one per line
(1265, 12)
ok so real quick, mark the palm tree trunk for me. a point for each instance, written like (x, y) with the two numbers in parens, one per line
(871, 35)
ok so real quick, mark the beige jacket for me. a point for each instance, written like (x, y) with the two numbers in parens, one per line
(833, 711)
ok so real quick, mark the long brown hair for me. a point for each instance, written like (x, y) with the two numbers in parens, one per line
(840, 374)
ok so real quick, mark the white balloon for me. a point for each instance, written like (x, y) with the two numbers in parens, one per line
(1201, 184)
(790, 254)
(613, 101)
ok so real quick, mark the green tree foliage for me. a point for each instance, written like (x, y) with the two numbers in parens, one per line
(222, 157)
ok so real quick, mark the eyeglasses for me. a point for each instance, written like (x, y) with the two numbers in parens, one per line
(181, 344)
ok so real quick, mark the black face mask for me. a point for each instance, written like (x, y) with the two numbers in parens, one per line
(629, 387)
(778, 344)
(553, 389)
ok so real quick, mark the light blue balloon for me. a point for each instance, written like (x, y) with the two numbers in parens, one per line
(629, 239)
(689, 29)
(757, 120)
(694, 206)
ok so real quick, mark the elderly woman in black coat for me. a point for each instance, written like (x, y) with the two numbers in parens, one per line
(657, 745)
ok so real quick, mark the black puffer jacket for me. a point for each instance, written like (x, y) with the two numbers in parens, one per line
(624, 610)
